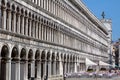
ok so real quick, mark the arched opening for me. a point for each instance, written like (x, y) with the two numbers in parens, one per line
(67, 64)
(42, 64)
(48, 66)
(71, 63)
(64, 64)
(30, 58)
(22, 63)
(57, 64)
(52, 65)
(14, 56)
(4, 58)
(37, 62)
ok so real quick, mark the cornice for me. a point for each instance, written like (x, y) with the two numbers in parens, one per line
(88, 14)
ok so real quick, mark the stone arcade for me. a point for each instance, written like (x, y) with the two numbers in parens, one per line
(41, 38)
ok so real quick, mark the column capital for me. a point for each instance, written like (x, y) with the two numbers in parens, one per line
(16, 59)
(6, 58)
(9, 10)
(18, 13)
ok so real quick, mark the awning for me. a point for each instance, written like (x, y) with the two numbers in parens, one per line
(88, 62)
(101, 63)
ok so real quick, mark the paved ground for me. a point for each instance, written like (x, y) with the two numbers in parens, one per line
(115, 78)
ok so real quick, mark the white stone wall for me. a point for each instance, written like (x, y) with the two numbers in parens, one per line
(48, 37)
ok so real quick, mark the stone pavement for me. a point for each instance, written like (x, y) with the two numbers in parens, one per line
(115, 78)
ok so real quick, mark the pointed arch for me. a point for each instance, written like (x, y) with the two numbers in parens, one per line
(23, 59)
(4, 58)
(15, 57)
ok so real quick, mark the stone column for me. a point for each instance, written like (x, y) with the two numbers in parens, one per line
(49, 68)
(68, 68)
(38, 2)
(65, 67)
(49, 1)
(14, 21)
(9, 20)
(26, 70)
(18, 24)
(32, 68)
(42, 3)
(26, 27)
(33, 28)
(49, 34)
(54, 67)
(8, 69)
(54, 7)
(39, 70)
(57, 67)
(75, 66)
(40, 30)
(4, 18)
(37, 29)
(17, 70)
(22, 25)
(44, 32)
(29, 27)
(47, 5)
(60, 66)
(45, 68)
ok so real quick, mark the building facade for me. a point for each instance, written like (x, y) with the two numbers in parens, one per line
(47, 38)
(116, 53)
(108, 25)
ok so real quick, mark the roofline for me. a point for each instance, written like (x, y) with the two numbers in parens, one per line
(89, 15)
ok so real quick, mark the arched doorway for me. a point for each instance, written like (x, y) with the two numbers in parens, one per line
(43, 67)
(48, 67)
(22, 64)
(37, 64)
(30, 59)
(57, 64)
(4, 58)
(53, 64)
(68, 62)
(64, 64)
(14, 56)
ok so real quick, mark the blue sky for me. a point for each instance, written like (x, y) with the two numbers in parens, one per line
(112, 11)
